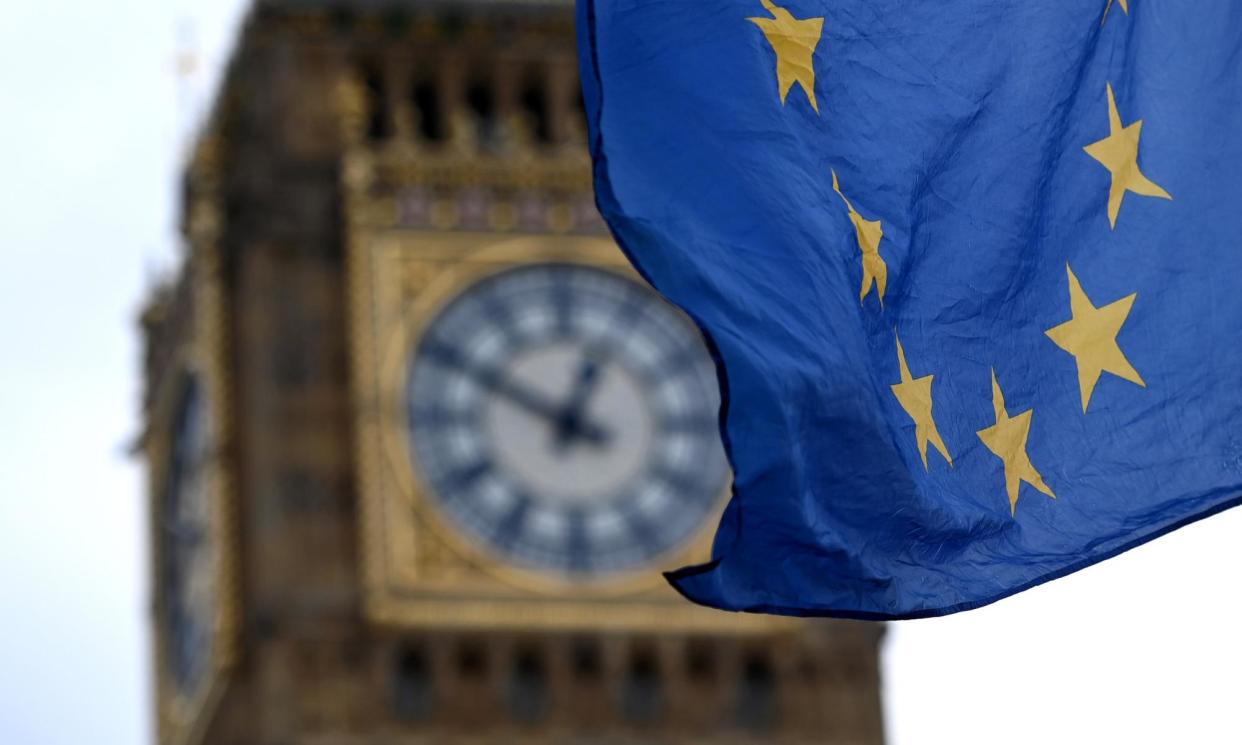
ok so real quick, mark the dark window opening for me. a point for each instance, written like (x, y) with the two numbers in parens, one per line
(535, 105)
(642, 695)
(587, 665)
(471, 662)
(528, 691)
(482, 105)
(379, 113)
(757, 705)
(700, 663)
(425, 98)
(413, 686)
(580, 112)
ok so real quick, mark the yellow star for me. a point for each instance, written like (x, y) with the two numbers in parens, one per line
(869, 233)
(794, 41)
(915, 396)
(1125, 5)
(1091, 336)
(1119, 154)
(1007, 440)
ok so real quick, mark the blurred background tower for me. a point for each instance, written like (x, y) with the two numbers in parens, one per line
(419, 442)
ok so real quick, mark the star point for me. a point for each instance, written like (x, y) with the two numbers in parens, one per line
(915, 396)
(869, 234)
(1091, 337)
(794, 40)
(1119, 154)
(1007, 441)
(1125, 7)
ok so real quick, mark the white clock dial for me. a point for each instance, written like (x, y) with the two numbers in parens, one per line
(566, 418)
(186, 556)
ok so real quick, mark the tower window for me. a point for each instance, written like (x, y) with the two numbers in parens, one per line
(642, 695)
(534, 102)
(379, 113)
(425, 98)
(700, 663)
(471, 661)
(482, 104)
(756, 696)
(528, 692)
(587, 665)
(413, 688)
(580, 113)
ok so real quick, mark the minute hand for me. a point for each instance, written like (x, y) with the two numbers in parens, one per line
(514, 391)
(524, 396)
(536, 403)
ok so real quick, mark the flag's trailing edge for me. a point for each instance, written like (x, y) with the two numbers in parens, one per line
(970, 273)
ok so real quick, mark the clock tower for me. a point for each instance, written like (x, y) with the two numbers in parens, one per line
(420, 442)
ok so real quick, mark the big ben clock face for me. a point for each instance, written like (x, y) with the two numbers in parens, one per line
(564, 418)
(186, 555)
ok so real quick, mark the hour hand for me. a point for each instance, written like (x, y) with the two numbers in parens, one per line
(573, 423)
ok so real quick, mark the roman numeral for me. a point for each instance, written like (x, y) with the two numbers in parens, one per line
(459, 480)
(511, 527)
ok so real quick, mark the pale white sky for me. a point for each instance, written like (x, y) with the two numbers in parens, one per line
(1142, 649)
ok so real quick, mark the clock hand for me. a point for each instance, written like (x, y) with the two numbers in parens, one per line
(514, 391)
(572, 423)
(536, 403)
(524, 396)
(533, 401)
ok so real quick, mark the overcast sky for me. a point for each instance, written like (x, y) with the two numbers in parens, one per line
(1142, 649)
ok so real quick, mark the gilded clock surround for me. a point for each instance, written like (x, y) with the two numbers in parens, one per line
(417, 564)
(440, 290)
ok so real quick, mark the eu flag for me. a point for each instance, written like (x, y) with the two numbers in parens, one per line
(970, 270)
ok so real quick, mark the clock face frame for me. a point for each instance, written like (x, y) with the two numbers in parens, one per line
(191, 534)
(192, 503)
(420, 568)
(188, 533)
(563, 420)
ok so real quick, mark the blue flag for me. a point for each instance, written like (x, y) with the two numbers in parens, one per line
(970, 271)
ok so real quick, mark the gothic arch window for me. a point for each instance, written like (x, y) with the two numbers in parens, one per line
(427, 103)
(579, 113)
(642, 691)
(587, 665)
(756, 705)
(701, 663)
(481, 103)
(529, 695)
(471, 661)
(533, 101)
(413, 685)
(379, 112)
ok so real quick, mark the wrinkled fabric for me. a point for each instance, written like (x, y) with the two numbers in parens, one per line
(961, 126)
